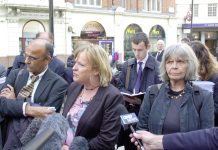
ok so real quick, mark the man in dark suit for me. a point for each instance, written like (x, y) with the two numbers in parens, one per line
(160, 50)
(138, 74)
(205, 139)
(19, 61)
(48, 90)
(9, 108)
(56, 65)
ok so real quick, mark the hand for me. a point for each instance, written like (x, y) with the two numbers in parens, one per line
(132, 100)
(8, 92)
(65, 147)
(150, 141)
(39, 111)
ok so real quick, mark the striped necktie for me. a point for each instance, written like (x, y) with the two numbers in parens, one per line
(27, 90)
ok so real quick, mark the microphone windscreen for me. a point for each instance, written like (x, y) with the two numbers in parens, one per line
(60, 125)
(39, 140)
(31, 131)
(79, 143)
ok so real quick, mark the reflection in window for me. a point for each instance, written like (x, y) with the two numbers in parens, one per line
(152, 5)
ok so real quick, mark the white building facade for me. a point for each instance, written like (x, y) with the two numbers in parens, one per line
(20, 20)
(204, 23)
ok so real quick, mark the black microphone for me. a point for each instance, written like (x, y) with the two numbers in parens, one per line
(79, 143)
(39, 140)
(128, 120)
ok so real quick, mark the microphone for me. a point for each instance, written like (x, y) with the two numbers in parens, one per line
(54, 127)
(79, 143)
(39, 140)
(31, 131)
(128, 120)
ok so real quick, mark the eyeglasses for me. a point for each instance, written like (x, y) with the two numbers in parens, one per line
(30, 58)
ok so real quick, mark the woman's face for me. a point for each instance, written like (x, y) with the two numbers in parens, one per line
(82, 70)
(176, 68)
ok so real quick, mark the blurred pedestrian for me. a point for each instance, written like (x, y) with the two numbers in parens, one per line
(208, 70)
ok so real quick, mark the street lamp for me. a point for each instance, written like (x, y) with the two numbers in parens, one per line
(51, 17)
(192, 6)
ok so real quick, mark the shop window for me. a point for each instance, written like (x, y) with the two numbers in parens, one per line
(30, 29)
(157, 32)
(129, 32)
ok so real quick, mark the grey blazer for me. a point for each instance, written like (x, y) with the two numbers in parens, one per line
(50, 91)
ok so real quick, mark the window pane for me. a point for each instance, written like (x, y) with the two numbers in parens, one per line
(124, 3)
(98, 2)
(92, 2)
(153, 5)
(158, 5)
(212, 9)
(84, 2)
(195, 10)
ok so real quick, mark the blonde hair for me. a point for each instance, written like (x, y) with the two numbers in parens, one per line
(98, 59)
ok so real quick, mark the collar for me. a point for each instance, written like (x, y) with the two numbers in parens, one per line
(41, 74)
(143, 60)
(160, 51)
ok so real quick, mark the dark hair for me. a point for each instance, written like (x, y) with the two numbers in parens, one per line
(50, 37)
(185, 40)
(140, 37)
(49, 48)
(208, 65)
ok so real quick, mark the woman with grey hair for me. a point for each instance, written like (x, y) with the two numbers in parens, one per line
(176, 105)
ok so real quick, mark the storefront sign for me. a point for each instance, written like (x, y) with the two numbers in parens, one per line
(157, 32)
(202, 25)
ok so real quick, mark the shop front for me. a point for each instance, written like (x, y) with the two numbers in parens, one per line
(95, 33)
(206, 33)
(156, 33)
(128, 34)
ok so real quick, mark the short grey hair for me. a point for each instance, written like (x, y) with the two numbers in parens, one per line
(185, 52)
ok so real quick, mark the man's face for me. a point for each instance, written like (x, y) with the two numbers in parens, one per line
(36, 58)
(160, 45)
(140, 50)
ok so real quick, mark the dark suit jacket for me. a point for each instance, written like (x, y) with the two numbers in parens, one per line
(50, 92)
(57, 66)
(100, 123)
(214, 79)
(19, 62)
(9, 108)
(206, 139)
(159, 58)
(150, 75)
